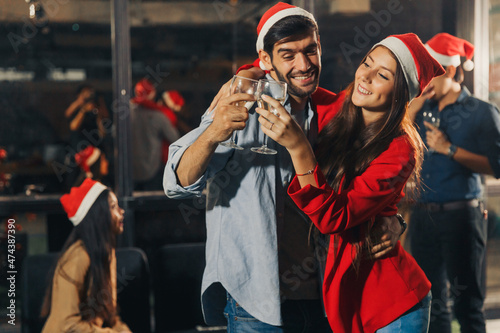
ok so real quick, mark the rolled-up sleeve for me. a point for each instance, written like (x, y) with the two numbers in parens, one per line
(176, 151)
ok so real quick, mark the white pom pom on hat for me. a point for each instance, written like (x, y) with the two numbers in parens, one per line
(468, 65)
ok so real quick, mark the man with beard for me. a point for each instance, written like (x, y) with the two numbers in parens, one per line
(257, 239)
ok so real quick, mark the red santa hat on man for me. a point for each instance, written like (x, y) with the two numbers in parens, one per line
(448, 49)
(275, 14)
(419, 67)
(143, 89)
(78, 202)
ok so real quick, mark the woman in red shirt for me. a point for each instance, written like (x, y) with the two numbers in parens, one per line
(365, 156)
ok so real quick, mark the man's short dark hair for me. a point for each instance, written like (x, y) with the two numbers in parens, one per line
(288, 29)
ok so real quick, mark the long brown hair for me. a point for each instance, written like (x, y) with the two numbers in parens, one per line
(346, 147)
(95, 232)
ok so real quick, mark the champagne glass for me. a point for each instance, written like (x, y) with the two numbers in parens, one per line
(276, 90)
(240, 84)
(432, 118)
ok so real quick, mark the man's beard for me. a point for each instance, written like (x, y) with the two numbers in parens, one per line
(297, 91)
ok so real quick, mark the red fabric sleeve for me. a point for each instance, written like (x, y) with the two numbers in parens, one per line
(327, 104)
(256, 63)
(377, 190)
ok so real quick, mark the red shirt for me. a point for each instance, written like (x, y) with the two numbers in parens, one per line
(382, 289)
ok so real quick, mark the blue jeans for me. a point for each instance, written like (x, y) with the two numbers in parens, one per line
(415, 320)
(299, 316)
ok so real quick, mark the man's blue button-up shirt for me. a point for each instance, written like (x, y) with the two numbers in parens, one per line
(471, 124)
(245, 203)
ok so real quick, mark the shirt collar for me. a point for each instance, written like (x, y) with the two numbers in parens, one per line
(464, 94)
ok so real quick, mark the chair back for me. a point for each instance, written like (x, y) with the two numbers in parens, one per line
(35, 280)
(177, 286)
(133, 285)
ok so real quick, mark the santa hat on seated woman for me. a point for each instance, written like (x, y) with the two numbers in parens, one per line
(419, 67)
(78, 202)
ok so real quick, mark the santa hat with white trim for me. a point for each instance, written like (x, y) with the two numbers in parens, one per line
(418, 66)
(275, 14)
(78, 202)
(87, 157)
(448, 49)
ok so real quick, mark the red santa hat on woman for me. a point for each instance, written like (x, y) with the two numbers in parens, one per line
(78, 202)
(448, 49)
(173, 99)
(275, 14)
(419, 67)
(87, 157)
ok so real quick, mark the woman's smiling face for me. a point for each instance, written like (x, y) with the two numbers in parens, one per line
(374, 81)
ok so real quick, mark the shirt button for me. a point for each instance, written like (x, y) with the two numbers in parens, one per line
(285, 183)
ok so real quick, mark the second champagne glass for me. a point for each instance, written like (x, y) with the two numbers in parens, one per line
(240, 84)
(276, 90)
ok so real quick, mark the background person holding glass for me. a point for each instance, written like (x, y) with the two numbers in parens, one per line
(448, 225)
(257, 239)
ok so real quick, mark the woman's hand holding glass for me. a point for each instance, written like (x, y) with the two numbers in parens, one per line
(281, 127)
(277, 90)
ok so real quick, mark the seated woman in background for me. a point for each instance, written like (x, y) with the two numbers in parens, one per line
(364, 158)
(82, 297)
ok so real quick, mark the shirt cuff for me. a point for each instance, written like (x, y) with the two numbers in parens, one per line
(172, 189)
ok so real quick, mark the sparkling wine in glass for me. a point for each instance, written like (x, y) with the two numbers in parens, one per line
(432, 118)
(240, 84)
(276, 90)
